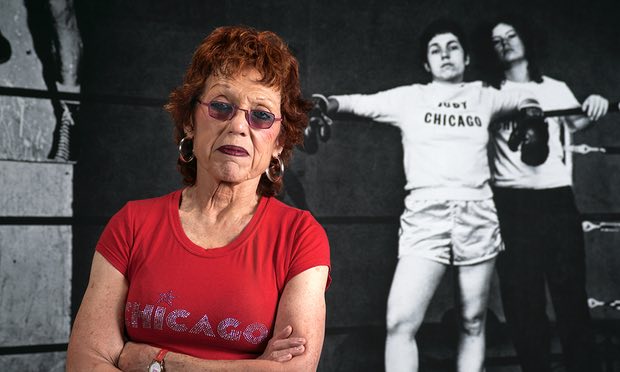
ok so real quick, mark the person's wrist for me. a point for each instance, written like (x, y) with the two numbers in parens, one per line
(158, 364)
(332, 105)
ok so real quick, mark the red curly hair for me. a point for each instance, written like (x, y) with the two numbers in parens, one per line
(225, 53)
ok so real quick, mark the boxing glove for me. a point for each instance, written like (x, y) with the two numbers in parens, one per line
(311, 144)
(320, 102)
(531, 134)
(318, 116)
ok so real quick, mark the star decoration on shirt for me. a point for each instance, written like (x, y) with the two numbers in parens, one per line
(166, 297)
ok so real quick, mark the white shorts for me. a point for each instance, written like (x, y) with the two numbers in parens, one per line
(452, 232)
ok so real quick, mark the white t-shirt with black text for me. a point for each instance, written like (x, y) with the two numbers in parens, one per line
(444, 130)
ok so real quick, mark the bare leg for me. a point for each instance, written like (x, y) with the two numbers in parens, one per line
(474, 282)
(415, 281)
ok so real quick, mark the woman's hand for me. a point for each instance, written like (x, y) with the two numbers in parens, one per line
(136, 357)
(282, 347)
(595, 107)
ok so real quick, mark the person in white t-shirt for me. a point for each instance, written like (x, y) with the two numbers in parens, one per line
(539, 221)
(449, 218)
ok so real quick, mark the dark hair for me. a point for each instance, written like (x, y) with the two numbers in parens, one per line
(437, 27)
(226, 52)
(490, 66)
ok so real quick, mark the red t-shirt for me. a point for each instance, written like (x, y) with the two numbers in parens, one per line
(216, 303)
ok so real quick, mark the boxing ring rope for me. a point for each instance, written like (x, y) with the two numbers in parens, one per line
(583, 149)
(593, 303)
(613, 107)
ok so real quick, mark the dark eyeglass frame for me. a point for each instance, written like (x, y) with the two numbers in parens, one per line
(248, 114)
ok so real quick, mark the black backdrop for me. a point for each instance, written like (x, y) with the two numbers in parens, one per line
(135, 52)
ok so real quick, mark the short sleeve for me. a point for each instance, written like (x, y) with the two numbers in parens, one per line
(567, 97)
(310, 248)
(507, 102)
(117, 239)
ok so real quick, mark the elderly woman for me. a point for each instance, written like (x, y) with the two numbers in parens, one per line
(219, 275)
(449, 218)
(539, 220)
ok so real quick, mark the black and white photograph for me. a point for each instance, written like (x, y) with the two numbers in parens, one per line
(310, 186)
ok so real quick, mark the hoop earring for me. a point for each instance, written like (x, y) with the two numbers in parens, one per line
(183, 152)
(275, 176)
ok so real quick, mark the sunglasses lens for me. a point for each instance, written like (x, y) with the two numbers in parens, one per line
(220, 110)
(261, 119)
(225, 111)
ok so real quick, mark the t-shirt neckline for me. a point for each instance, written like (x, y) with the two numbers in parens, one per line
(189, 245)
